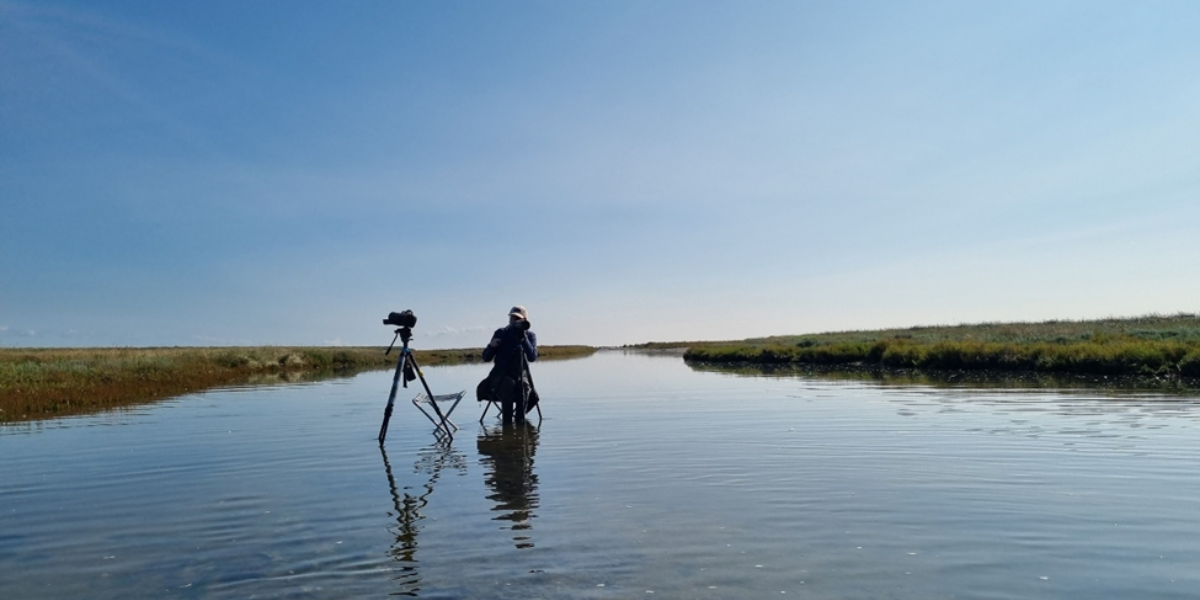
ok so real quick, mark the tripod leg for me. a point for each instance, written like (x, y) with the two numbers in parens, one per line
(524, 383)
(533, 399)
(387, 412)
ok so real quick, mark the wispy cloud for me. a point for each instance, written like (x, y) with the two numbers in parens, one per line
(453, 331)
(49, 336)
(210, 340)
(95, 52)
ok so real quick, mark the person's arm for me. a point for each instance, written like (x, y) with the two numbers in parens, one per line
(530, 346)
(489, 351)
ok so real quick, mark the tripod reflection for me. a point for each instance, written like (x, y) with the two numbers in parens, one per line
(409, 503)
(506, 453)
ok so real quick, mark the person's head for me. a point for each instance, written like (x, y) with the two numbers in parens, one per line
(518, 313)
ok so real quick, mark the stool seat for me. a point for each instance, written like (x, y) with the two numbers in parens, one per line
(438, 400)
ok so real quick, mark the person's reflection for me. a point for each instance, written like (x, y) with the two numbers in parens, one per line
(409, 502)
(506, 453)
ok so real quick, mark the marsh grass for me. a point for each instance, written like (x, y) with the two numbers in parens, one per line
(1144, 346)
(46, 383)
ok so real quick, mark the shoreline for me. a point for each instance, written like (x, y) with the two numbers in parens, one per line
(46, 383)
(1148, 352)
(1148, 346)
(982, 379)
(1119, 357)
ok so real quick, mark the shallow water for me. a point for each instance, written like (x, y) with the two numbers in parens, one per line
(646, 479)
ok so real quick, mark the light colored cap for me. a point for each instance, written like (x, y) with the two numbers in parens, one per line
(519, 311)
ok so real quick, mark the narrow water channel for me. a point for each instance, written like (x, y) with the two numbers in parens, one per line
(645, 479)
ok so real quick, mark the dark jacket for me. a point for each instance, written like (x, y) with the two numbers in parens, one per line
(508, 353)
(508, 377)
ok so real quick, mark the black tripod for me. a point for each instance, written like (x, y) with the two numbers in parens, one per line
(405, 368)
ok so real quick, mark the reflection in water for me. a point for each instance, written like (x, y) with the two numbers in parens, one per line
(1099, 407)
(1015, 380)
(506, 453)
(409, 504)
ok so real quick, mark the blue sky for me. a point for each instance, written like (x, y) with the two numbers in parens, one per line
(226, 173)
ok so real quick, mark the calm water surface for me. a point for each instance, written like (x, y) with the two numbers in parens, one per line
(646, 479)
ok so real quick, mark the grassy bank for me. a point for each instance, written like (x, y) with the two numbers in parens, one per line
(44, 383)
(1151, 345)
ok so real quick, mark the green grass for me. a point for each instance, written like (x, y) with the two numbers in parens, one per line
(1151, 345)
(45, 383)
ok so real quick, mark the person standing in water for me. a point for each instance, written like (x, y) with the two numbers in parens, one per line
(512, 347)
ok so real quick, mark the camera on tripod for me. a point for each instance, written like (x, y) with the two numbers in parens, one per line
(404, 318)
(406, 371)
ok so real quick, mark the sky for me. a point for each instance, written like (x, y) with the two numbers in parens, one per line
(287, 173)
